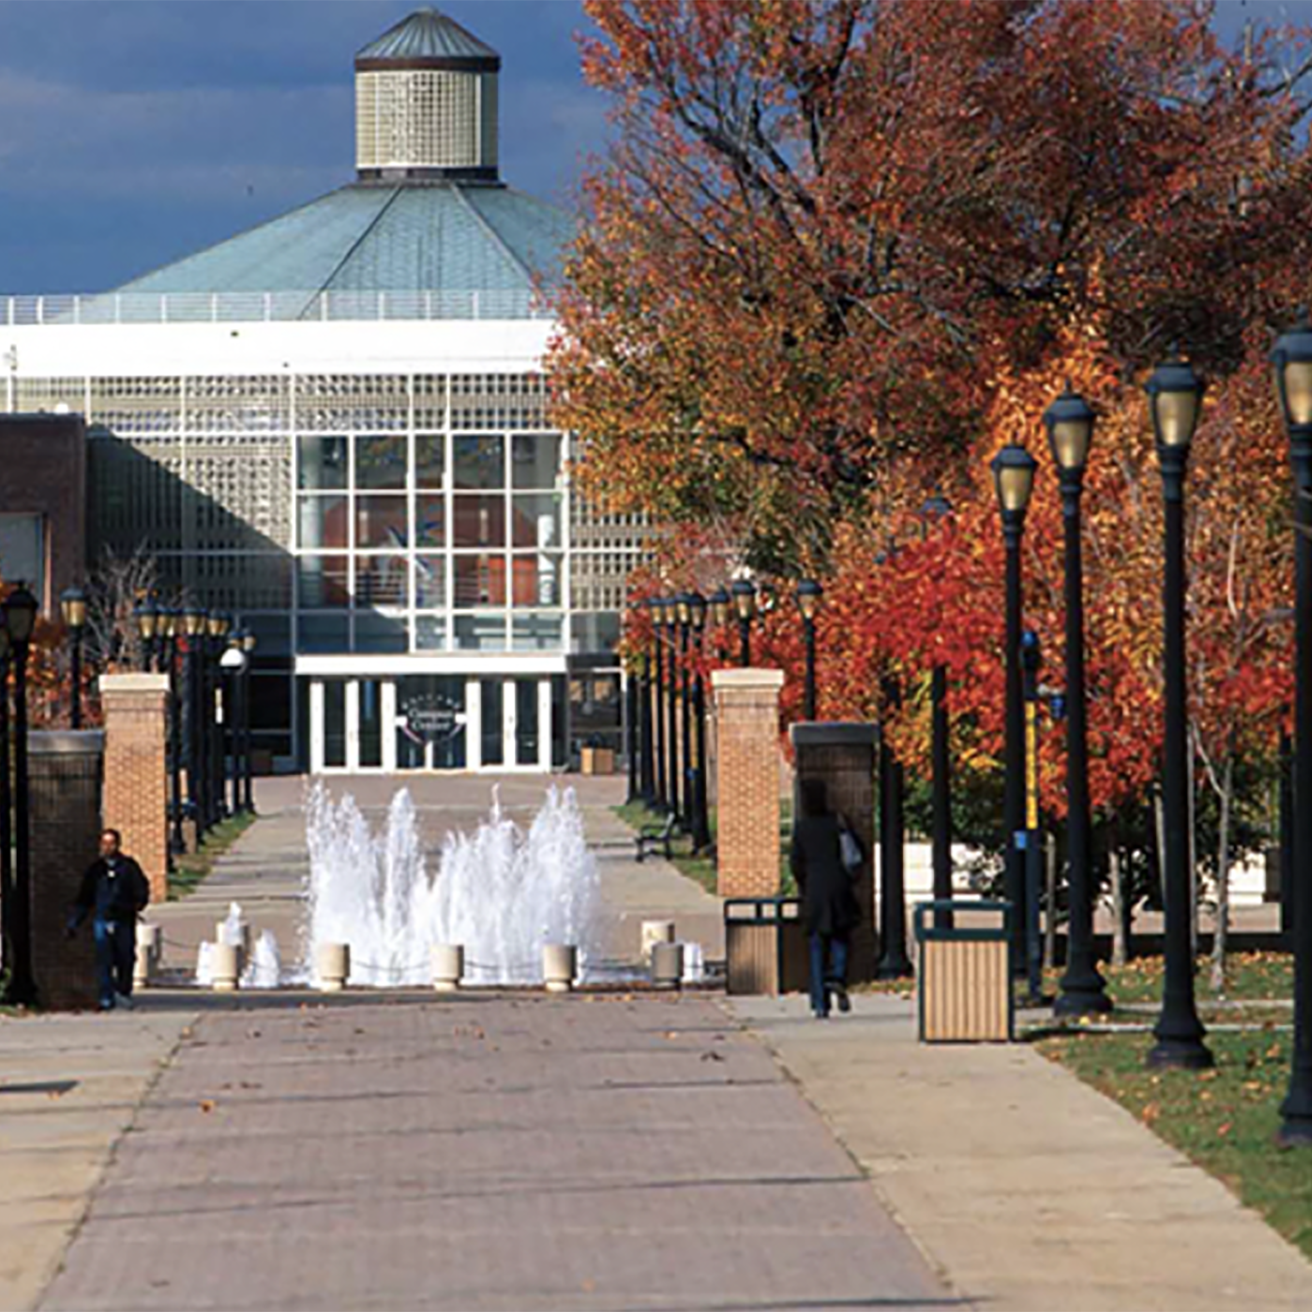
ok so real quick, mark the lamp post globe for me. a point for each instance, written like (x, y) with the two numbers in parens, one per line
(721, 604)
(1070, 422)
(743, 592)
(1292, 360)
(1013, 481)
(73, 608)
(1175, 395)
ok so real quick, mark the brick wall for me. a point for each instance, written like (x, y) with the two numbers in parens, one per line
(844, 757)
(45, 474)
(747, 780)
(65, 773)
(136, 770)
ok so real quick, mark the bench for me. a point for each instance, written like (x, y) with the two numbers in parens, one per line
(656, 838)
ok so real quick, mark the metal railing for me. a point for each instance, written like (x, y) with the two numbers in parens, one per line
(268, 307)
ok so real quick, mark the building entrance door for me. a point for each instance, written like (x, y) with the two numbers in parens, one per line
(432, 722)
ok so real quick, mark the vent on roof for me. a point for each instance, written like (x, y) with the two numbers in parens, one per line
(426, 102)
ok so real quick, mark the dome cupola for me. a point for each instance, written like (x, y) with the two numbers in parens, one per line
(426, 102)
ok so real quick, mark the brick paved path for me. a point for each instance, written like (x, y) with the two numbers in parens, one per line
(487, 1152)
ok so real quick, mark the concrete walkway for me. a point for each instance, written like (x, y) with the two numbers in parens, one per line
(265, 869)
(1028, 1188)
(69, 1089)
(590, 1152)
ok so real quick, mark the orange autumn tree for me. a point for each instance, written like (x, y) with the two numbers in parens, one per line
(826, 226)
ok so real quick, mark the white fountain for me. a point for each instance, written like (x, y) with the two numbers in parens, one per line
(501, 892)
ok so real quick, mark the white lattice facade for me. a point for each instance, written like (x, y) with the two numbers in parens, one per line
(425, 119)
(382, 523)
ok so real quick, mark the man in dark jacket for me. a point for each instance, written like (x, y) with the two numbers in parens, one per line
(113, 892)
(829, 906)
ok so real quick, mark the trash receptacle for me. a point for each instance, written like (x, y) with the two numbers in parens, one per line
(765, 946)
(964, 992)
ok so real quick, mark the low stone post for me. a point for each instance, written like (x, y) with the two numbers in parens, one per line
(136, 770)
(747, 786)
(844, 758)
(65, 773)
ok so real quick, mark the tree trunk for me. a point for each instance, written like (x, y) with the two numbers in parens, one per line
(1119, 953)
(1221, 932)
(1159, 856)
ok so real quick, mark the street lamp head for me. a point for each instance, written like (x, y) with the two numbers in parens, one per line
(248, 642)
(809, 596)
(218, 624)
(1069, 421)
(720, 603)
(697, 605)
(1175, 396)
(1013, 480)
(195, 620)
(744, 598)
(1292, 358)
(73, 606)
(683, 608)
(146, 614)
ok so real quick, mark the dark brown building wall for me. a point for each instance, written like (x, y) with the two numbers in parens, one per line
(44, 463)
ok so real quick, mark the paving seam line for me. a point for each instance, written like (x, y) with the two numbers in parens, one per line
(162, 1064)
(931, 1259)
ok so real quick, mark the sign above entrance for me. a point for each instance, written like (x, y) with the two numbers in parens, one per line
(431, 718)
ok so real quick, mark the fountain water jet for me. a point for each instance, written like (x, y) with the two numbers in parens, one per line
(501, 892)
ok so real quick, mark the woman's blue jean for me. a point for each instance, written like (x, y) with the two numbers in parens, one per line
(828, 967)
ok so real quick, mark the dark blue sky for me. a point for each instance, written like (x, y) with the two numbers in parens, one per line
(135, 131)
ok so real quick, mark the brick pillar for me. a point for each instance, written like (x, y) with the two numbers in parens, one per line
(136, 769)
(843, 757)
(747, 780)
(65, 772)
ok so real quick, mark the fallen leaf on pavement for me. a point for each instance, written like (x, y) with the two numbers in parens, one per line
(207, 1105)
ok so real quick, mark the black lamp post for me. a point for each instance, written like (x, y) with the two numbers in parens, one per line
(632, 684)
(1175, 395)
(172, 626)
(73, 606)
(1293, 368)
(20, 608)
(1013, 479)
(701, 820)
(894, 963)
(1083, 992)
(656, 713)
(683, 614)
(809, 596)
(744, 601)
(670, 620)
(219, 624)
(233, 664)
(146, 614)
(195, 620)
(248, 645)
(7, 931)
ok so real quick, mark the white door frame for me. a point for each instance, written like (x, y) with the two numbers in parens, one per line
(472, 720)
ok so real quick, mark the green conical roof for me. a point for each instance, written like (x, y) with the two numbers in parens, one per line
(427, 34)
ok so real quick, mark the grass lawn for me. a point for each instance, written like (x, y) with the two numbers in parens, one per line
(1224, 1119)
(1248, 975)
(191, 869)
